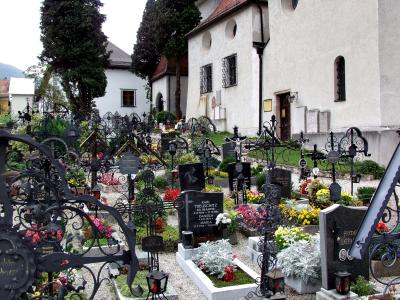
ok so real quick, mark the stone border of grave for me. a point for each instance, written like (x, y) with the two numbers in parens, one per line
(184, 260)
(95, 250)
(253, 249)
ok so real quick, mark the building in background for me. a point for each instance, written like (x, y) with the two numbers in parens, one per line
(125, 92)
(163, 84)
(326, 65)
(4, 96)
(21, 93)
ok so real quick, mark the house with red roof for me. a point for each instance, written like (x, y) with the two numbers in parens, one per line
(318, 66)
(163, 84)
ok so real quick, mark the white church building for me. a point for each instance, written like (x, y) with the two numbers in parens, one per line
(321, 66)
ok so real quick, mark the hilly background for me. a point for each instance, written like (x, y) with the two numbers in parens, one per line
(7, 71)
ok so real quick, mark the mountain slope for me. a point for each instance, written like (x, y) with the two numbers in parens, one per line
(7, 71)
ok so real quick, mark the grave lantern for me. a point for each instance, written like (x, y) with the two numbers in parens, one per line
(157, 282)
(276, 281)
(187, 239)
(172, 149)
(96, 192)
(342, 282)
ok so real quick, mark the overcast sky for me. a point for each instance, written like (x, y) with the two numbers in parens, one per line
(20, 34)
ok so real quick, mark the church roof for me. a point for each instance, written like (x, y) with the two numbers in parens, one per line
(224, 8)
(118, 59)
(168, 67)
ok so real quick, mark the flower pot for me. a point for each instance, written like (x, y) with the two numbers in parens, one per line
(233, 238)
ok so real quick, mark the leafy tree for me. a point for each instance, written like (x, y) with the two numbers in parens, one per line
(175, 18)
(75, 47)
(145, 53)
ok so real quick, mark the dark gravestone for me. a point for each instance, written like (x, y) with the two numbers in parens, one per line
(129, 163)
(338, 226)
(199, 213)
(240, 172)
(335, 191)
(282, 178)
(153, 243)
(228, 150)
(166, 137)
(191, 177)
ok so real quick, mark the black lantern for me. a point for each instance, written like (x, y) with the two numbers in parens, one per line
(96, 192)
(187, 239)
(157, 282)
(172, 148)
(342, 282)
(276, 281)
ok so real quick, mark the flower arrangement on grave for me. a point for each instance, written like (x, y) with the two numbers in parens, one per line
(148, 159)
(302, 259)
(109, 179)
(216, 258)
(286, 236)
(76, 178)
(302, 214)
(218, 173)
(381, 228)
(313, 188)
(103, 229)
(254, 197)
(304, 186)
(323, 198)
(160, 225)
(228, 220)
(171, 195)
(251, 217)
(37, 234)
(211, 188)
(348, 200)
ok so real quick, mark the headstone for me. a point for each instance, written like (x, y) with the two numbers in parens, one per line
(166, 137)
(153, 243)
(228, 150)
(338, 226)
(312, 119)
(240, 171)
(324, 119)
(335, 191)
(129, 163)
(191, 177)
(199, 213)
(283, 178)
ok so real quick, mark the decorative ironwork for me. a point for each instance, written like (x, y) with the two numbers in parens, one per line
(206, 79)
(229, 71)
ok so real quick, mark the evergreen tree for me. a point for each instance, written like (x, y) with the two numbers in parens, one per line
(175, 18)
(145, 53)
(75, 47)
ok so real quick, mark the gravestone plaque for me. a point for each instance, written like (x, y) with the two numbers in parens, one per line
(239, 172)
(335, 191)
(153, 243)
(283, 178)
(228, 150)
(312, 119)
(324, 118)
(166, 137)
(338, 226)
(191, 177)
(199, 213)
(129, 163)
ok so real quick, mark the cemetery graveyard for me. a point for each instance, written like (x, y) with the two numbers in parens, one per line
(118, 208)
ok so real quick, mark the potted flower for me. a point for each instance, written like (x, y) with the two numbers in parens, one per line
(301, 265)
(286, 236)
(160, 225)
(323, 198)
(254, 197)
(250, 219)
(77, 181)
(228, 224)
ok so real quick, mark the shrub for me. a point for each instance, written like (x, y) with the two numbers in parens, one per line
(214, 257)
(160, 182)
(257, 170)
(302, 260)
(260, 180)
(370, 167)
(362, 287)
(229, 204)
(286, 236)
(211, 188)
(365, 193)
(224, 165)
(217, 173)
(164, 116)
(187, 158)
(323, 197)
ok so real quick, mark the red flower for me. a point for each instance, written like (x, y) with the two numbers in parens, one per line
(171, 195)
(381, 228)
(229, 275)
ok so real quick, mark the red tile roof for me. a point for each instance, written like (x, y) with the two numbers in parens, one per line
(168, 67)
(4, 88)
(224, 8)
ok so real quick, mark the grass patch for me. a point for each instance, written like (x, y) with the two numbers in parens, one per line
(218, 138)
(140, 279)
(241, 277)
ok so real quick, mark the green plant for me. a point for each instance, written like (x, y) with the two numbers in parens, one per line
(160, 182)
(302, 259)
(164, 116)
(257, 170)
(229, 204)
(187, 158)
(286, 236)
(5, 118)
(170, 236)
(362, 287)
(76, 178)
(370, 167)
(260, 180)
(224, 165)
(241, 277)
(365, 193)
(323, 198)
(211, 188)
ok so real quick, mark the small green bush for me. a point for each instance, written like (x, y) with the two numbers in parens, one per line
(164, 116)
(260, 180)
(224, 165)
(257, 170)
(187, 158)
(362, 287)
(211, 188)
(364, 193)
(170, 237)
(370, 167)
(160, 182)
